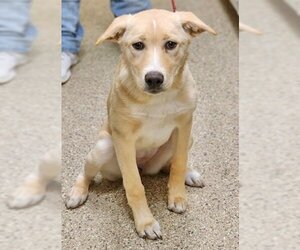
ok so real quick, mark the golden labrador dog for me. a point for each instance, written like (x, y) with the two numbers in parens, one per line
(150, 110)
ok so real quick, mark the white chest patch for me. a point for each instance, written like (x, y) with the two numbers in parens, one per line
(158, 121)
(154, 133)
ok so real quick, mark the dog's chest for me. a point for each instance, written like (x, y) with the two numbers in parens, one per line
(155, 132)
(158, 123)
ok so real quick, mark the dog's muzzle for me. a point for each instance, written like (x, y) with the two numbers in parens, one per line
(154, 81)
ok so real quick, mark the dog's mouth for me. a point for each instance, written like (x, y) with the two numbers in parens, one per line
(154, 91)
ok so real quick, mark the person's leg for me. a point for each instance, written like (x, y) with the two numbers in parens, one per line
(16, 36)
(72, 33)
(16, 31)
(122, 7)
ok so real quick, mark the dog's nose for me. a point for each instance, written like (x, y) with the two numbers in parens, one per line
(154, 79)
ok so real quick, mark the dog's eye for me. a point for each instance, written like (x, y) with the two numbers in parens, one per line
(138, 46)
(170, 45)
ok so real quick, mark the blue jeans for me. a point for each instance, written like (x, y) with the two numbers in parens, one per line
(72, 31)
(123, 7)
(16, 31)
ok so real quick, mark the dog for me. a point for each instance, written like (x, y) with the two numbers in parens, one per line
(244, 27)
(150, 109)
(33, 189)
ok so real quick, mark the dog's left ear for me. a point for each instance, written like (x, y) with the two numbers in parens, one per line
(192, 24)
(116, 30)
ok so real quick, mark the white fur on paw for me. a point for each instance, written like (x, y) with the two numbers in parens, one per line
(194, 179)
(151, 231)
(77, 197)
(25, 197)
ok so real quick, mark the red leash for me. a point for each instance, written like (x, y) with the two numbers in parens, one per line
(174, 5)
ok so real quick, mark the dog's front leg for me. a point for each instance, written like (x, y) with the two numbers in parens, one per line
(176, 185)
(145, 223)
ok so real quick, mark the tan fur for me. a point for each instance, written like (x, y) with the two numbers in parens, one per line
(147, 131)
(244, 27)
(33, 189)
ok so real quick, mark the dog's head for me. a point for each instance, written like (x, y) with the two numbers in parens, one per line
(154, 45)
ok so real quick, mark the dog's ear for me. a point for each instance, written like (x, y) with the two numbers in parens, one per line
(192, 24)
(244, 27)
(115, 30)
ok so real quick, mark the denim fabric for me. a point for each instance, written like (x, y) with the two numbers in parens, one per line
(16, 31)
(71, 29)
(122, 7)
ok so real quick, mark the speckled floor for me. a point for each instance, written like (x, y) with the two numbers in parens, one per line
(105, 220)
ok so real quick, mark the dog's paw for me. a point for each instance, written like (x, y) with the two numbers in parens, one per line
(26, 196)
(149, 230)
(77, 197)
(194, 179)
(177, 204)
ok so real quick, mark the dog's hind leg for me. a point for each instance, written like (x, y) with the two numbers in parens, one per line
(192, 177)
(161, 159)
(33, 190)
(101, 155)
(162, 162)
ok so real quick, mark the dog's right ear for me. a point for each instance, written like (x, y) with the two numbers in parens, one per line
(244, 27)
(192, 24)
(115, 31)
